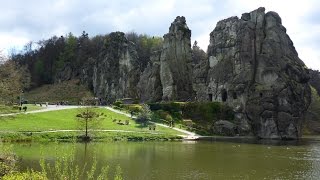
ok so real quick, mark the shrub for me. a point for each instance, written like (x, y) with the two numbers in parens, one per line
(7, 161)
(207, 111)
(203, 114)
(145, 114)
(25, 175)
(118, 103)
(135, 108)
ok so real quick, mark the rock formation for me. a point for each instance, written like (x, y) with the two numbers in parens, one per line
(116, 73)
(169, 73)
(175, 68)
(254, 67)
(150, 87)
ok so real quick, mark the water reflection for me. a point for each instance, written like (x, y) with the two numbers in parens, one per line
(197, 160)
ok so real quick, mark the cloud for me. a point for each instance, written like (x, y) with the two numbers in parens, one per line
(23, 21)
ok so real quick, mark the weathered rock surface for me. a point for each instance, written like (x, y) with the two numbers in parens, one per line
(225, 128)
(254, 67)
(150, 87)
(251, 65)
(175, 68)
(66, 74)
(116, 73)
(200, 66)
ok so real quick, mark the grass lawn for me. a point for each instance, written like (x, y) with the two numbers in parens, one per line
(14, 109)
(66, 120)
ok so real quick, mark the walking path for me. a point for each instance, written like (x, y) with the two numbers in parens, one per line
(46, 109)
(189, 136)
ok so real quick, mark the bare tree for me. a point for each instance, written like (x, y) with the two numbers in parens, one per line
(88, 119)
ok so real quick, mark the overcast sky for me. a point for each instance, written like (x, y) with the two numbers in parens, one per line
(24, 20)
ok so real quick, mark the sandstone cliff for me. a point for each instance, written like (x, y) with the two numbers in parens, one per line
(175, 69)
(116, 73)
(168, 76)
(251, 65)
(150, 87)
(254, 67)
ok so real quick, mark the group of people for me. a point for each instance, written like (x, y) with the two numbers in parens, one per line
(23, 108)
(40, 104)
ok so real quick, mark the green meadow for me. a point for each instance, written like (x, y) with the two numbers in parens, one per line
(22, 126)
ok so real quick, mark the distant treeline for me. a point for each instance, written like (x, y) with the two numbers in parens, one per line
(51, 55)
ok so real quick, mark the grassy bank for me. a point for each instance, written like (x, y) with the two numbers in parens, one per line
(76, 136)
(33, 127)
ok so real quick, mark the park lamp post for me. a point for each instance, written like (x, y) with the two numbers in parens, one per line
(21, 98)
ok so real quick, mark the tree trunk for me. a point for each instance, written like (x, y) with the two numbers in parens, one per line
(86, 128)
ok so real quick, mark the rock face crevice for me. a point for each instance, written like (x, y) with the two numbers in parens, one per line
(255, 68)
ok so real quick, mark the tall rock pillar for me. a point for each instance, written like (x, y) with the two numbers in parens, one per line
(176, 59)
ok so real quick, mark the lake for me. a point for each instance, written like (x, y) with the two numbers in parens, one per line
(238, 159)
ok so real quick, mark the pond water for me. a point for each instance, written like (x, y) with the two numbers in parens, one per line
(189, 160)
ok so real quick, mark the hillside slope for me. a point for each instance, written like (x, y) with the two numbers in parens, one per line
(69, 91)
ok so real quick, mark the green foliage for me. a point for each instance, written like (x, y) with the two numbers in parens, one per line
(29, 175)
(7, 160)
(68, 55)
(203, 114)
(198, 55)
(161, 134)
(13, 80)
(118, 103)
(145, 46)
(32, 127)
(56, 53)
(39, 67)
(65, 167)
(118, 174)
(170, 107)
(135, 108)
(6, 109)
(207, 111)
(145, 114)
(89, 119)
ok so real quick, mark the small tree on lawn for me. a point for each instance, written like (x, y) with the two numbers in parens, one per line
(88, 119)
(145, 115)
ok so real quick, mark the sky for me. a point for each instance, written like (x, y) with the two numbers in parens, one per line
(23, 21)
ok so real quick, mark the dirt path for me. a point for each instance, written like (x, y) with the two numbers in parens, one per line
(46, 109)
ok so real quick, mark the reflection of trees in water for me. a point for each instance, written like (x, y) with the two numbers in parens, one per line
(165, 160)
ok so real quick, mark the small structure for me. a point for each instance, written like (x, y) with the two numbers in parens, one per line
(127, 100)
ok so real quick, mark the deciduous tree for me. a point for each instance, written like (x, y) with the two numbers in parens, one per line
(88, 119)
